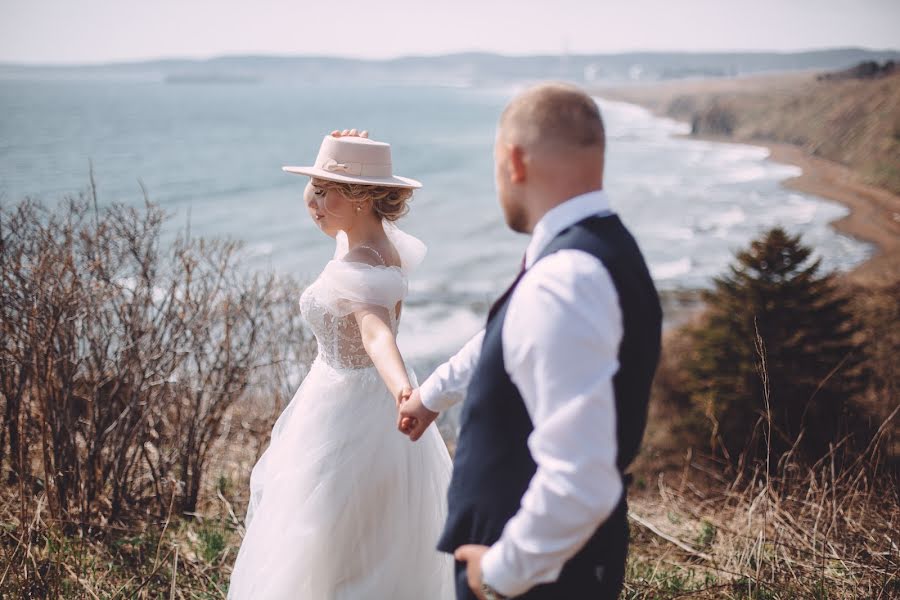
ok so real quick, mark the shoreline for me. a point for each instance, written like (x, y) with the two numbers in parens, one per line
(874, 212)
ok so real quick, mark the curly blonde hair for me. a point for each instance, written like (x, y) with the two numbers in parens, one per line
(388, 202)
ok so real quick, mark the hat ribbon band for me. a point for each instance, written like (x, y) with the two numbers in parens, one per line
(357, 168)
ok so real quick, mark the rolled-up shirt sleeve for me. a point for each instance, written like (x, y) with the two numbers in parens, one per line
(561, 339)
(449, 382)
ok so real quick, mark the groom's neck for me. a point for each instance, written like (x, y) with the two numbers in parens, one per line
(538, 207)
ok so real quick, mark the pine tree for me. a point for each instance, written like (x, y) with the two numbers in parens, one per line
(778, 345)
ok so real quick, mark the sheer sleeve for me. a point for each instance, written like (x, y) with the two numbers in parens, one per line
(348, 287)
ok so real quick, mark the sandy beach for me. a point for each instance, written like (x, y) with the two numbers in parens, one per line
(773, 111)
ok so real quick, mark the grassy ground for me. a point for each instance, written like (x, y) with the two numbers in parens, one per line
(173, 558)
(684, 544)
(821, 534)
(696, 532)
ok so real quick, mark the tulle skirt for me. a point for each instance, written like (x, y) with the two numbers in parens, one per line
(343, 506)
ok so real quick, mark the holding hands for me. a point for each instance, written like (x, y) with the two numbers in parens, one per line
(403, 395)
(414, 417)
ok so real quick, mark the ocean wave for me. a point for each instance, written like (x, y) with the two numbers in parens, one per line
(722, 220)
(671, 270)
(666, 231)
(625, 119)
(690, 202)
(436, 330)
(745, 173)
(798, 211)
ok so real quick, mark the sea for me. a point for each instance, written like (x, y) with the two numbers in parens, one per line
(211, 153)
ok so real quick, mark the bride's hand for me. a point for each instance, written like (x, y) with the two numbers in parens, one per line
(350, 133)
(403, 395)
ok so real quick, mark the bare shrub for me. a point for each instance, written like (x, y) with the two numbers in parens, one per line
(121, 361)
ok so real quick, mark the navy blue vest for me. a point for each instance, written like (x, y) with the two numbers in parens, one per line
(493, 466)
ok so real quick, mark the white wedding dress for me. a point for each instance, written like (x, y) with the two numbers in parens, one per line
(343, 506)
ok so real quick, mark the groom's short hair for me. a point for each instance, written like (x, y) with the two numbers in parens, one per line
(556, 113)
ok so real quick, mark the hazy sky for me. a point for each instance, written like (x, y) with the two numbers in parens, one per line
(75, 31)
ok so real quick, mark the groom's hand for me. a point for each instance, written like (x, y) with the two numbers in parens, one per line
(471, 555)
(414, 417)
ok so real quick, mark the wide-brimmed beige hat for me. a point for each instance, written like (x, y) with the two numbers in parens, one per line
(350, 159)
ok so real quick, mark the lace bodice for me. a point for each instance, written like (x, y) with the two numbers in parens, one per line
(342, 289)
(346, 287)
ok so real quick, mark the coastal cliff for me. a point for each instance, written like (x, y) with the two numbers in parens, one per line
(842, 129)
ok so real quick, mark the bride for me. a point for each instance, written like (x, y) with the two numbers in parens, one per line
(341, 505)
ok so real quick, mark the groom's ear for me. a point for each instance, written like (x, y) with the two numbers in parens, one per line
(517, 164)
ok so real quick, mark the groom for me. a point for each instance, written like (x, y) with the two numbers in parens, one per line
(557, 383)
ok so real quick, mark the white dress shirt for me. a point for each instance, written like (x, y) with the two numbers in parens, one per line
(560, 347)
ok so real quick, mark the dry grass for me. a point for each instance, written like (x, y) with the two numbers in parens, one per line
(174, 557)
(168, 555)
(815, 532)
(710, 529)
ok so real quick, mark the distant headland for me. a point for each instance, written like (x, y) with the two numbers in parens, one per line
(469, 68)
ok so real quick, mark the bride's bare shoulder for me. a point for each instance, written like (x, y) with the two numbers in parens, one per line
(384, 256)
(362, 255)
